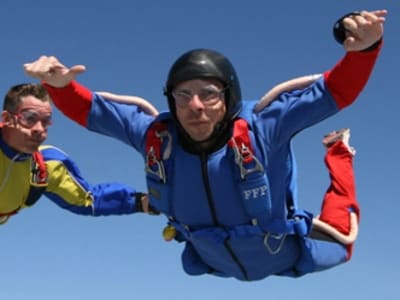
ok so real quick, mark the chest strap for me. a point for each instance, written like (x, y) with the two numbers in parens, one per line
(38, 182)
(158, 149)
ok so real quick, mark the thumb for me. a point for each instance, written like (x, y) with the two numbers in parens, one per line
(77, 69)
(350, 44)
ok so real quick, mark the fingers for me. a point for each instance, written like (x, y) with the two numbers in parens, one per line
(363, 29)
(51, 71)
(381, 14)
(42, 67)
(77, 69)
(364, 21)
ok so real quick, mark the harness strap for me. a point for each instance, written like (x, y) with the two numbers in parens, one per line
(243, 150)
(156, 136)
(253, 184)
(259, 208)
(153, 141)
(38, 179)
(39, 170)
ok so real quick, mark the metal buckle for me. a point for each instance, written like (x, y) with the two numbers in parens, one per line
(151, 159)
(239, 160)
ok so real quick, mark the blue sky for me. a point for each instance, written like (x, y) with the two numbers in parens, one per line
(128, 47)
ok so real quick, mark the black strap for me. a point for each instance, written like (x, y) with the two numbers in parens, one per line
(35, 193)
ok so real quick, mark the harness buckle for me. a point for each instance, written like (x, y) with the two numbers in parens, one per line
(244, 156)
(168, 148)
(151, 160)
(153, 157)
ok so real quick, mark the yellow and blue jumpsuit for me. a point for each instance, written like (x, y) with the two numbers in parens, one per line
(65, 186)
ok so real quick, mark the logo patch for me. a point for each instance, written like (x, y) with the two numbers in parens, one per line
(255, 192)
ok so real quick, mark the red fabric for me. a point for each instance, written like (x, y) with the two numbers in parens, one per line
(38, 157)
(349, 76)
(340, 198)
(74, 100)
(8, 214)
(154, 142)
(241, 139)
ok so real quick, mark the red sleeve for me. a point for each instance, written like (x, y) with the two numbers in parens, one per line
(347, 79)
(74, 100)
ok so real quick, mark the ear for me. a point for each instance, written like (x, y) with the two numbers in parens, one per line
(6, 118)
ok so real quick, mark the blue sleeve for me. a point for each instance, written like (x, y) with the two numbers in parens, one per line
(276, 125)
(124, 122)
(69, 190)
(295, 111)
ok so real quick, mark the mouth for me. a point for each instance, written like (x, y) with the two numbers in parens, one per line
(36, 141)
(197, 123)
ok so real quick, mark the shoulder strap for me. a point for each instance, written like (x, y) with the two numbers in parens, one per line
(253, 182)
(291, 203)
(252, 179)
(38, 182)
(298, 221)
(158, 149)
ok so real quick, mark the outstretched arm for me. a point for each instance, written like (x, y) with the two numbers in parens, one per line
(76, 103)
(360, 33)
(145, 105)
(68, 189)
(286, 86)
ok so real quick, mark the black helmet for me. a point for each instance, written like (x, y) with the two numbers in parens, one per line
(206, 63)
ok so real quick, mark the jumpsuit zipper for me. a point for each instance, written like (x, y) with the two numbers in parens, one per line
(210, 200)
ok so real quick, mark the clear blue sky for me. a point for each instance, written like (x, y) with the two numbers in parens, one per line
(128, 46)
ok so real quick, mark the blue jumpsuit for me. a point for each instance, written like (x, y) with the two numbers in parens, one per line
(201, 195)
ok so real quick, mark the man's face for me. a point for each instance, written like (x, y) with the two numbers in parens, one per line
(26, 130)
(200, 106)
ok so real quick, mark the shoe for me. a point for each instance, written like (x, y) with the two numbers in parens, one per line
(339, 135)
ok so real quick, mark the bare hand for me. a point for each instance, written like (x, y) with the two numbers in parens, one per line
(49, 70)
(363, 30)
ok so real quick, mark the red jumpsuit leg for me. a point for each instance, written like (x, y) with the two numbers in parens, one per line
(340, 197)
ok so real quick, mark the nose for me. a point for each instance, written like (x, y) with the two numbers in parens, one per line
(195, 103)
(39, 127)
